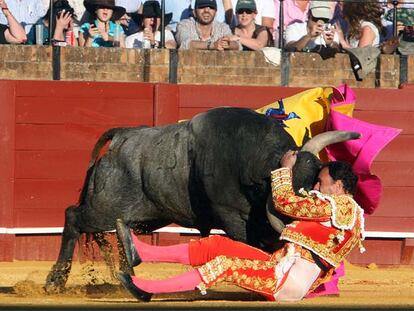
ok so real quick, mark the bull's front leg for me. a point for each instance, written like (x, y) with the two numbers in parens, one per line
(58, 275)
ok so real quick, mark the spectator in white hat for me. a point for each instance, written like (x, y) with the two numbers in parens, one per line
(317, 31)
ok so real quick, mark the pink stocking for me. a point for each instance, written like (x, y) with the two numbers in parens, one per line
(174, 253)
(184, 282)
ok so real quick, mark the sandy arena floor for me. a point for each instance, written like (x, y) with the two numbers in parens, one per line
(90, 286)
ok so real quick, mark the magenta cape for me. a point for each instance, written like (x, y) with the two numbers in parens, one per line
(361, 153)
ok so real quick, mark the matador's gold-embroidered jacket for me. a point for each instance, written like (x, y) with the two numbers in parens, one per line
(329, 226)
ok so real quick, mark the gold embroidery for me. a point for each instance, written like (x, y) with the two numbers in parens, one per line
(288, 203)
(231, 269)
(326, 251)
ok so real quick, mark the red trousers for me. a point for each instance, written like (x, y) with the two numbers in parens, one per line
(206, 249)
(234, 262)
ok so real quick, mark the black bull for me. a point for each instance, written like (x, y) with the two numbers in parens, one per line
(212, 171)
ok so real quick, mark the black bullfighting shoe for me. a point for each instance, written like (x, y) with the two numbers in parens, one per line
(124, 236)
(138, 293)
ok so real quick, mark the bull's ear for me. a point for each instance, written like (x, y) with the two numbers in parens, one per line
(305, 137)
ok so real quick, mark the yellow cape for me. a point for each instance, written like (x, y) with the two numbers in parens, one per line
(313, 107)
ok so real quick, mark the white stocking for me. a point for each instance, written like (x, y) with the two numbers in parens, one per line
(302, 275)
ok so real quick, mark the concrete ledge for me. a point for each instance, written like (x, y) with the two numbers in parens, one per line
(195, 67)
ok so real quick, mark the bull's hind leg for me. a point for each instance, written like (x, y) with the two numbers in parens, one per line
(107, 252)
(58, 275)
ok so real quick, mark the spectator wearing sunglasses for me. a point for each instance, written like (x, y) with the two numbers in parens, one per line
(316, 32)
(202, 32)
(250, 35)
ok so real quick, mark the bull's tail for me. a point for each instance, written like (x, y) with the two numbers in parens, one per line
(105, 137)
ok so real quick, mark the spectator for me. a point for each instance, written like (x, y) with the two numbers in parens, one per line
(364, 20)
(202, 32)
(26, 12)
(102, 31)
(266, 13)
(405, 17)
(63, 17)
(224, 12)
(308, 35)
(14, 32)
(251, 36)
(183, 9)
(126, 21)
(294, 11)
(149, 32)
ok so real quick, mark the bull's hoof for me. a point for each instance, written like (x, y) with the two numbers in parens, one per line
(56, 279)
(51, 288)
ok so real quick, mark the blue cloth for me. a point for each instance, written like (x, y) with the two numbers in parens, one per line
(97, 40)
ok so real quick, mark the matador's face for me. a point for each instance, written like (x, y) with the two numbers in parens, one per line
(327, 185)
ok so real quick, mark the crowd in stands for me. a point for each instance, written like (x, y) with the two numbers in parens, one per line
(206, 24)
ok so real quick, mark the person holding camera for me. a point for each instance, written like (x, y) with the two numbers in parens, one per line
(62, 25)
(102, 30)
(316, 32)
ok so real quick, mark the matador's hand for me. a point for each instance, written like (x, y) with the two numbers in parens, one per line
(289, 159)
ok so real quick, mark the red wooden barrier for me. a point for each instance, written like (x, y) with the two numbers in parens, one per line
(48, 130)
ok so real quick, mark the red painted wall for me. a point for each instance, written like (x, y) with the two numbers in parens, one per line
(48, 130)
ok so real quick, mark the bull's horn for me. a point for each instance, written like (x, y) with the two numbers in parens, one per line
(275, 222)
(320, 141)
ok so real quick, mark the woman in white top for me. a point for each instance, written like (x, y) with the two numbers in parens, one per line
(364, 19)
(149, 36)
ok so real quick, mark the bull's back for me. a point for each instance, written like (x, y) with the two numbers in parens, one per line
(144, 174)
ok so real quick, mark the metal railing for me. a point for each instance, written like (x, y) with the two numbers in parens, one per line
(281, 18)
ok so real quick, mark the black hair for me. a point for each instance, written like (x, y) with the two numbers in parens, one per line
(58, 7)
(340, 170)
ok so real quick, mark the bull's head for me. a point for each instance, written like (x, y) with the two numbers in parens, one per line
(307, 167)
